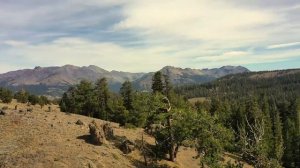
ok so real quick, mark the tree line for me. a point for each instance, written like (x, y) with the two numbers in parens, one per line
(22, 96)
(264, 114)
(258, 120)
(167, 116)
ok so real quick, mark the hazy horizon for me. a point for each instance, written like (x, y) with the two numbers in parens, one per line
(252, 70)
(144, 36)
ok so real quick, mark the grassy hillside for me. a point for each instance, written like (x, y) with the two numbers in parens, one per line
(52, 139)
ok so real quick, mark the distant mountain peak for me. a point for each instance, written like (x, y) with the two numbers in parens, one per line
(47, 80)
(38, 68)
(179, 76)
(234, 67)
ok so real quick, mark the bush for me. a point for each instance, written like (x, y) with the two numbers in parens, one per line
(6, 95)
(33, 99)
(21, 96)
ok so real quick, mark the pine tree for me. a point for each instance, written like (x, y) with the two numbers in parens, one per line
(167, 87)
(277, 135)
(268, 134)
(6, 95)
(103, 95)
(157, 84)
(33, 99)
(22, 96)
(296, 134)
(126, 92)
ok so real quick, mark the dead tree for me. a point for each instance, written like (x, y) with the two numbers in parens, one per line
(252, 140)
(172, 149)
(143, 151)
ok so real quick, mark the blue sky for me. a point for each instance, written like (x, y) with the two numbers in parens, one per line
(145, 35)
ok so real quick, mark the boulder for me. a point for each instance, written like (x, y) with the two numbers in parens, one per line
(2, 112)
(108, 131)
(127, 146)
(97, 133)
(79, 122)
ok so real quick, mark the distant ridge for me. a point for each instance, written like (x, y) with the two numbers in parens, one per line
(55, 80)
(179, 76)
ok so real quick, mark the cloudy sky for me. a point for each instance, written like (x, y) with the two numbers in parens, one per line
(145, 35)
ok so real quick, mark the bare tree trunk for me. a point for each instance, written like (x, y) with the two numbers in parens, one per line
(176, 150)
(171, 142)
(143, 151)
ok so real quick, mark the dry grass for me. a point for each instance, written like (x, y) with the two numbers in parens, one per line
(53, 139)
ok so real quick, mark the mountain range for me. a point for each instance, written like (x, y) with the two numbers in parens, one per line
(55, 80)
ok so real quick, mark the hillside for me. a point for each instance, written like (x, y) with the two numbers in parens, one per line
(52, 139)
(179, 76)
(273, 97)
(267, 82)
(55, 80)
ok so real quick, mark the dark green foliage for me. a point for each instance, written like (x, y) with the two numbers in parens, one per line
(80, 99)
(168, 88)
(157, 84)
(33, 99)
(21, 96)
(6, 95)
(257, 119)
(118, 112)
(144, 106)
(277, 145)
(102, 96)
(126, 92)
(187, 124)
(246, 84)
(256, 100)
(180, 123)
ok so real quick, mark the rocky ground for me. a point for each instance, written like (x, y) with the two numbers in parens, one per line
(44, 138)
(53, 139)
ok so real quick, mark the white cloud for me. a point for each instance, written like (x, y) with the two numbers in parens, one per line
(197, 20)
(227, 56)
(153, 33)
(235, 53)
(284, 45)
(110, 56)
(244, 58)
(14, 43)
(83, 52)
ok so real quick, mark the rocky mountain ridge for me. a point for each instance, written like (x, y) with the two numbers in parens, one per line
(55, 80)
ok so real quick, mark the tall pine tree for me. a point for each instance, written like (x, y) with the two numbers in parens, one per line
(157, 84)
(126, 92)
(103, 94)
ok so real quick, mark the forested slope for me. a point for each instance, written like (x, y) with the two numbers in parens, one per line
(263, 109)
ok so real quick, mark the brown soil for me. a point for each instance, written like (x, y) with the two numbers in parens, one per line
(53, 139)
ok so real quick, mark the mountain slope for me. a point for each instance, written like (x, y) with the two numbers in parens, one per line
(65, 75)
(264, 82)
(55, 80)
(179, 76)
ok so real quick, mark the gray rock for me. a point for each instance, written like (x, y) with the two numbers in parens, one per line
(3, 112)
(97, 133)
(127, 146)
(79, 122)
(108, 131)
